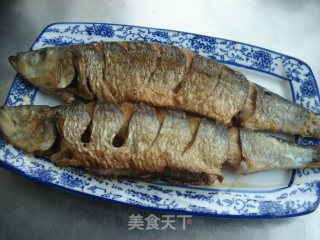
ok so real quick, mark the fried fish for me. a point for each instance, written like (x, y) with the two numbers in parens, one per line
(137, 141)
(163, 76)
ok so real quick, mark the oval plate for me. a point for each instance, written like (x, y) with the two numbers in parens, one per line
(270, 194)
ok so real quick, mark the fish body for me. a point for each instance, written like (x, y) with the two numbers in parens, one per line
(137, 141)
(163, 76)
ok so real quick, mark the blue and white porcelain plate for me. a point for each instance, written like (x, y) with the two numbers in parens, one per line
(281, 193)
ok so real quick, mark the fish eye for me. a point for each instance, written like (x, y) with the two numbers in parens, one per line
(38, 56)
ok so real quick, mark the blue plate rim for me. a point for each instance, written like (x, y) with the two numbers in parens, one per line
(175, 211)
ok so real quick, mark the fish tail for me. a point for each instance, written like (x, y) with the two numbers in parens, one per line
(258, 152)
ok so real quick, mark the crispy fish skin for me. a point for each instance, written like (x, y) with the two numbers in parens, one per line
(149, 146)
(142, 142)
(124, 141)
(164, 76)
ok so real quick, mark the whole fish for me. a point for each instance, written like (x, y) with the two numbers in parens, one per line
(143, 142)
(165, 76)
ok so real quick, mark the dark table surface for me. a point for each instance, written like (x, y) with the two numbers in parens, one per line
(30, 210)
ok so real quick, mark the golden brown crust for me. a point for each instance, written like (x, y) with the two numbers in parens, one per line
(151, 142)
(71, 122)
(167, 76)
(163, 76)
(154, 144)
(160, 75)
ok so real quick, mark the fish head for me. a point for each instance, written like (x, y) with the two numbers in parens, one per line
(30, 128)
(48, 69)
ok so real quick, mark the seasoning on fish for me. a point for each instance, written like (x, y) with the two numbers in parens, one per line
(143, 142)
(164, 76)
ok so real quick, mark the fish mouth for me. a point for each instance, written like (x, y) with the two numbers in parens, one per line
(13, 61)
